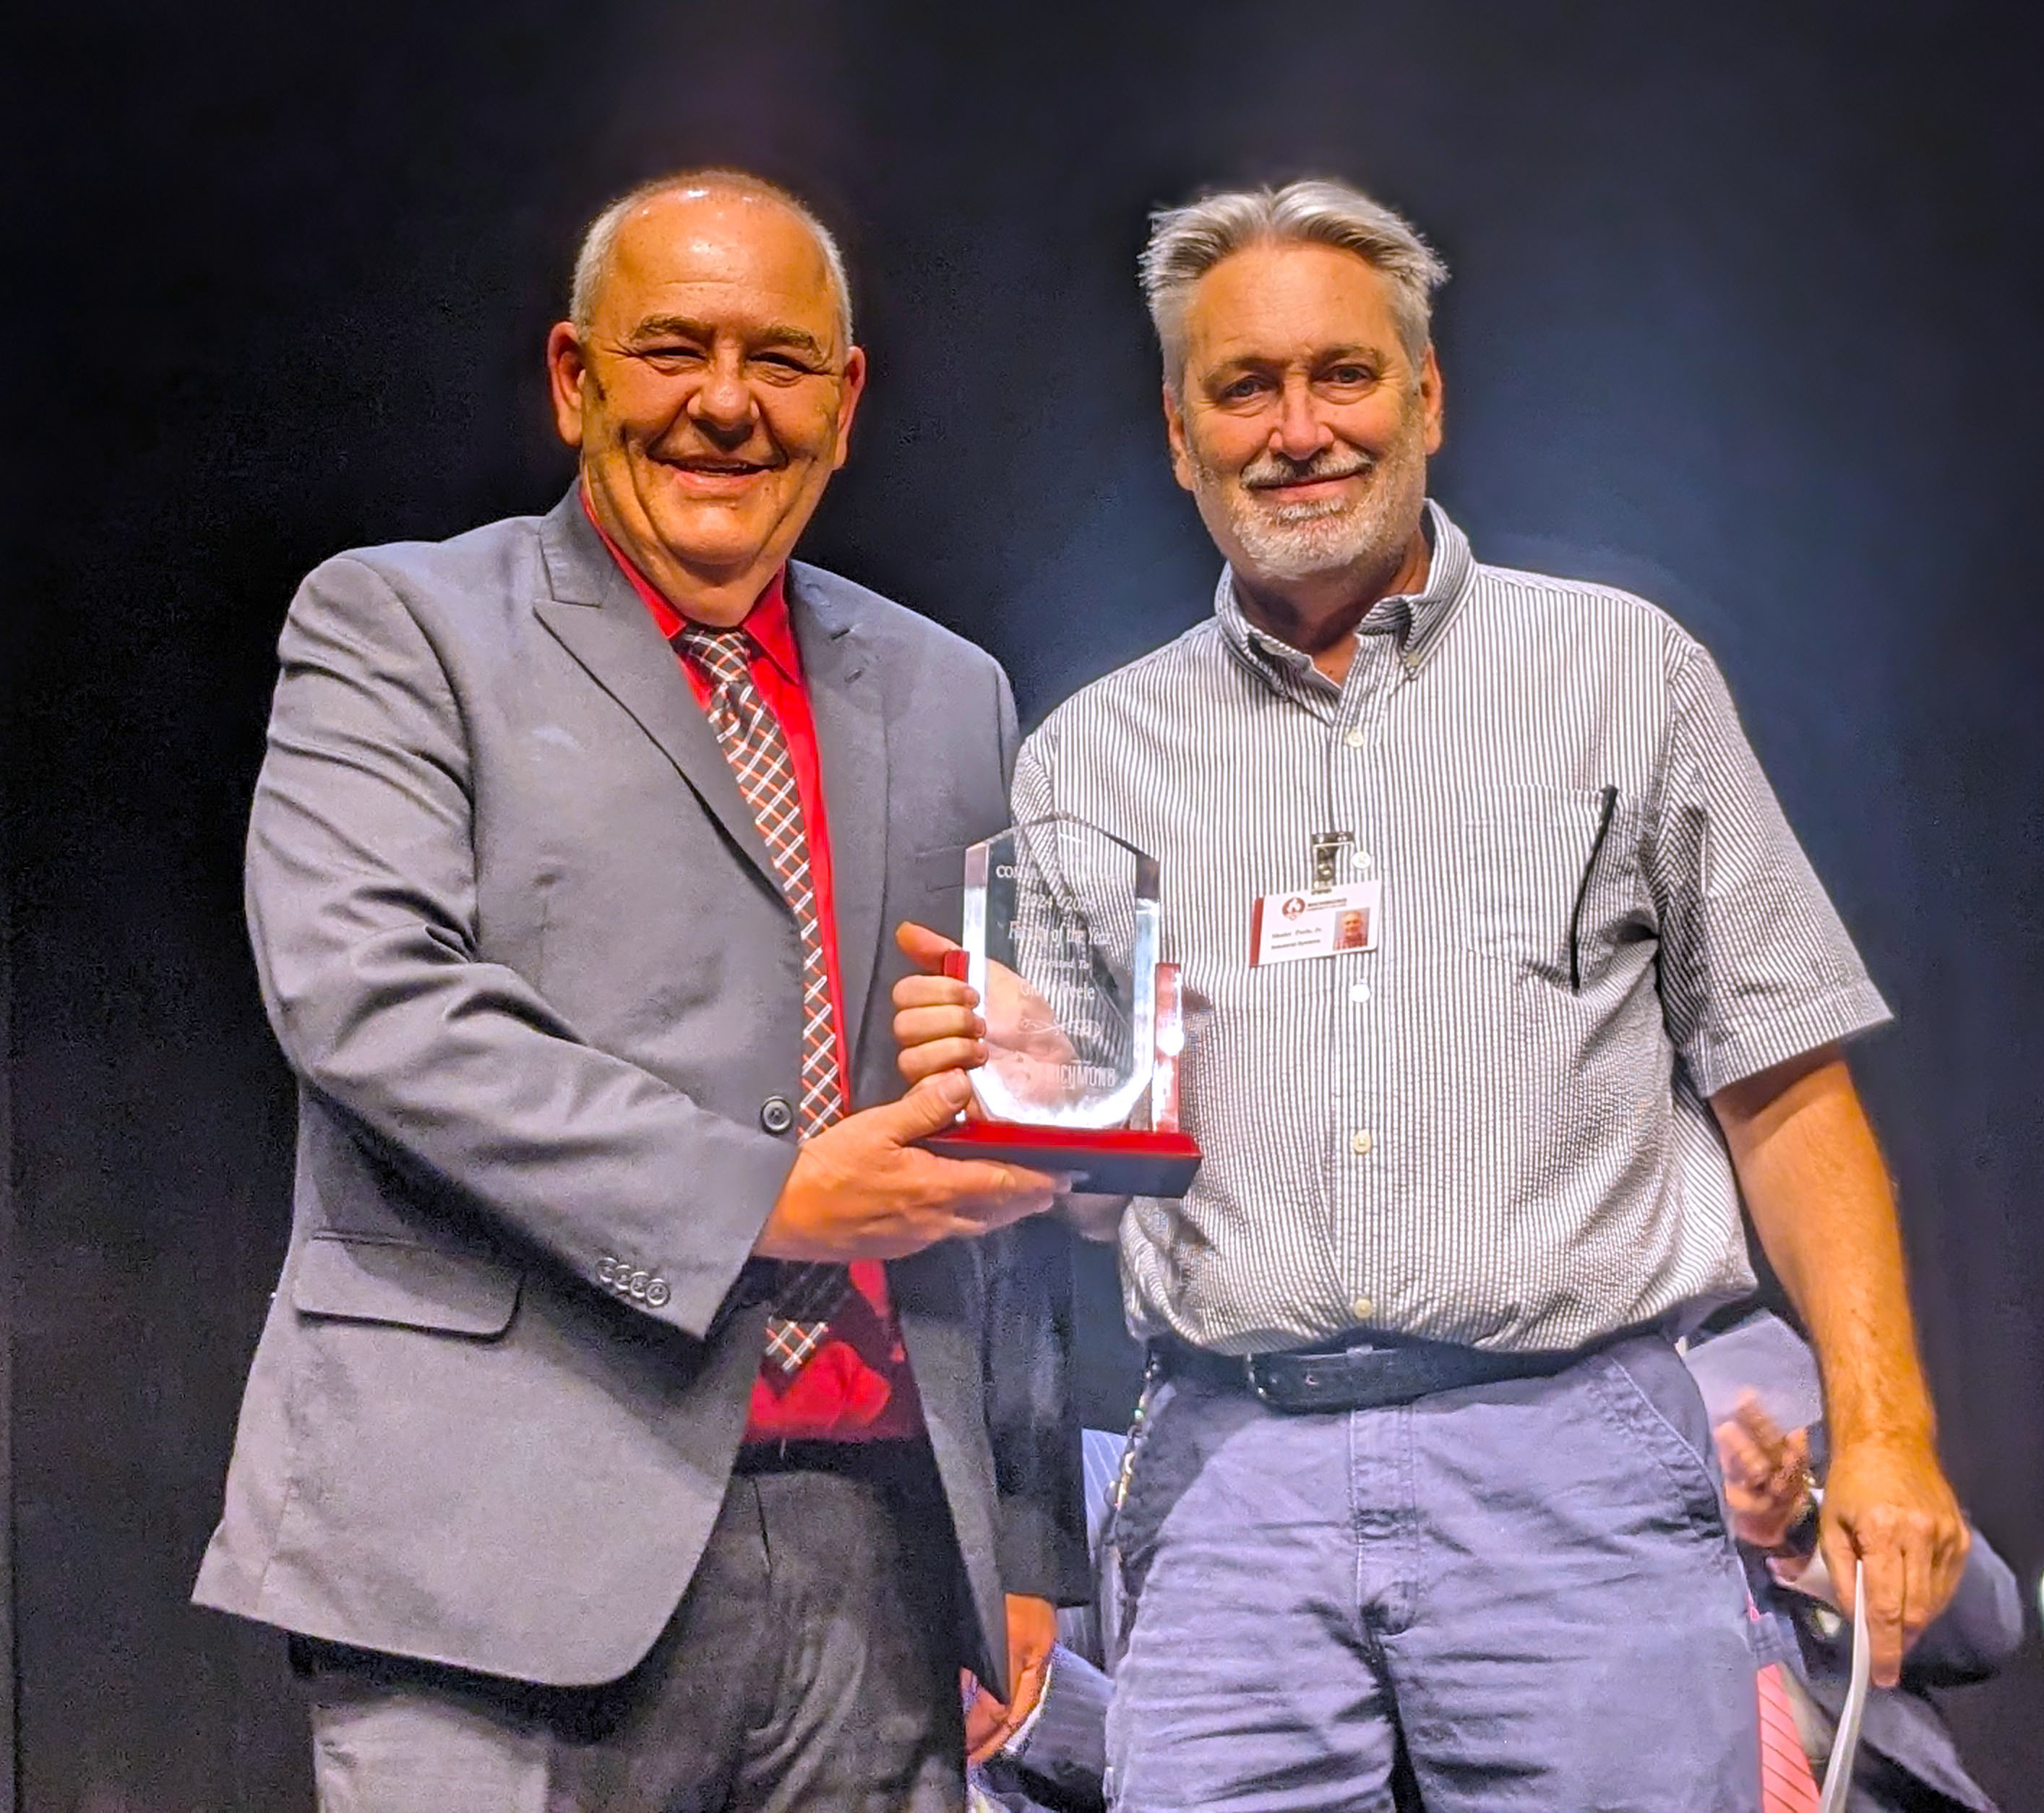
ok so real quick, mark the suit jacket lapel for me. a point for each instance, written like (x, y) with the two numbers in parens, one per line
(851, 736)
(597, 616)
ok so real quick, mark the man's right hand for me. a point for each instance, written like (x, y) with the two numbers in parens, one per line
(863, 1189)
(1766, 1473)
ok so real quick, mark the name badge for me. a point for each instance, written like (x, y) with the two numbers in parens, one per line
(1321, 922)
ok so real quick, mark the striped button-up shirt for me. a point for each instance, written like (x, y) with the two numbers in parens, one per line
(1491, 1128)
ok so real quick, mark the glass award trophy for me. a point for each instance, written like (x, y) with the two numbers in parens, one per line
(1084, 1027)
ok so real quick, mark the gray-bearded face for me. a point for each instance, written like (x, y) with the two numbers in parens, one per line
(1291, 540)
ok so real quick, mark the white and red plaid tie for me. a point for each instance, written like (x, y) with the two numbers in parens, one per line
(805, 1295)
(1787, 1784)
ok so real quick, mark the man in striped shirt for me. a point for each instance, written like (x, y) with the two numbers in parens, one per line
(1419, 1466)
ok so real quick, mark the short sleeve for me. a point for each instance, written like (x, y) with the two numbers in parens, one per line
(1756, 967)
(1030, 794)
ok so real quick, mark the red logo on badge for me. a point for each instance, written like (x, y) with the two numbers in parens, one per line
(1294, 907)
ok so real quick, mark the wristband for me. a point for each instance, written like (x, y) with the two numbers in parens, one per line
(1799, 1541)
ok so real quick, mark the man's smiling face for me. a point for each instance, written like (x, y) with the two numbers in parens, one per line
(711, 392)
(1301, 423)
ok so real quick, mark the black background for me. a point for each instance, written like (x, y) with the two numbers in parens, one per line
(1744, 317)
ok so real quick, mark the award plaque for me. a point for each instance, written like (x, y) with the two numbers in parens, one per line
(1084, 1027)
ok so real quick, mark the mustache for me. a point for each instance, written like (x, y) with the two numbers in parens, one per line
(1269, 471)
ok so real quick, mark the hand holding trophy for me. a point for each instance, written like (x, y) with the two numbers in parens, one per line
(1079, 1024)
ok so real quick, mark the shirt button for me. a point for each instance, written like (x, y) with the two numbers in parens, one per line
(1357, 738)
(1364, 1308)
(1360, 858)
(1361, 1141)
(1358, 992)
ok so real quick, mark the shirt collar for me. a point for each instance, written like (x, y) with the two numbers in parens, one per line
(1415, 620)
(768, 623)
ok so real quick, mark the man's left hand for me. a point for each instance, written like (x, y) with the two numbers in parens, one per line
(1813, 1183)
(940, 1024)
(1887, 1506)
(1032, 1631)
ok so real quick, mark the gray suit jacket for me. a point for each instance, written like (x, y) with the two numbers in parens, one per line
(522, 946)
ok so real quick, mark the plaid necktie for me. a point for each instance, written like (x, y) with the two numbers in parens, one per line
(1787, 1784)
(805, 1295)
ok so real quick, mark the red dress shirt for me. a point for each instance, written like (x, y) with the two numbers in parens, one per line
(857, 1385)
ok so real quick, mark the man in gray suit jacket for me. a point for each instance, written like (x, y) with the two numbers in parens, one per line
(591, 1452)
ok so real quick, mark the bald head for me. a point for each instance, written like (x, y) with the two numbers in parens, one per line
(708, 380)
(665, 204)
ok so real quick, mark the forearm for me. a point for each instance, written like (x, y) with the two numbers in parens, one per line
(1813, 1180)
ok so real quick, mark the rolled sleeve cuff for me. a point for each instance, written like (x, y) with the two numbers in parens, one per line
(1745, 1046)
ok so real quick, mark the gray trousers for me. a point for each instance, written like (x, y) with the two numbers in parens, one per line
(1530, 1583)
(813, 1663)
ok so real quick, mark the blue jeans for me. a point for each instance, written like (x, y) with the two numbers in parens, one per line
(1530, 1583)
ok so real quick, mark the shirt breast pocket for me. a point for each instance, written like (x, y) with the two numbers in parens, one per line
(1552, 879)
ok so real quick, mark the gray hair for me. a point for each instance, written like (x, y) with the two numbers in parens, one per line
(1186, 243)
(600, 238)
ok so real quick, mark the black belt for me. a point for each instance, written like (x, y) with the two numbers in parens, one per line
(888, 1460)
(1369, 1373)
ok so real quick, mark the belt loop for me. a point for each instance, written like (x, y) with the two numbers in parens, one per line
(1256, 1385)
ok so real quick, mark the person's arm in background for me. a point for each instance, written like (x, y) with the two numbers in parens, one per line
(1768, 1485)
(1034, 1431)
(1813, 1181)
(1065, 1745)
(1059, 1758)
(1768, 1490)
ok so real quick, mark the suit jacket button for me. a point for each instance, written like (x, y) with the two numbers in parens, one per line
(657, 1292)
(776, 1114)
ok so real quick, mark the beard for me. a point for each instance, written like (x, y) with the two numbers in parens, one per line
(1289, 542)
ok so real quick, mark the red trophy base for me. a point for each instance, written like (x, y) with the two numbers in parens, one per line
(1102, 1161)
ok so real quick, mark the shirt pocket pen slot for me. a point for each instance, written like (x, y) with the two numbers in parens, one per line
(1548, 878)
(1610, 804)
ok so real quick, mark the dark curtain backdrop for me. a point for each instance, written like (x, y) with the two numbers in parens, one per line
(1745, 316)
